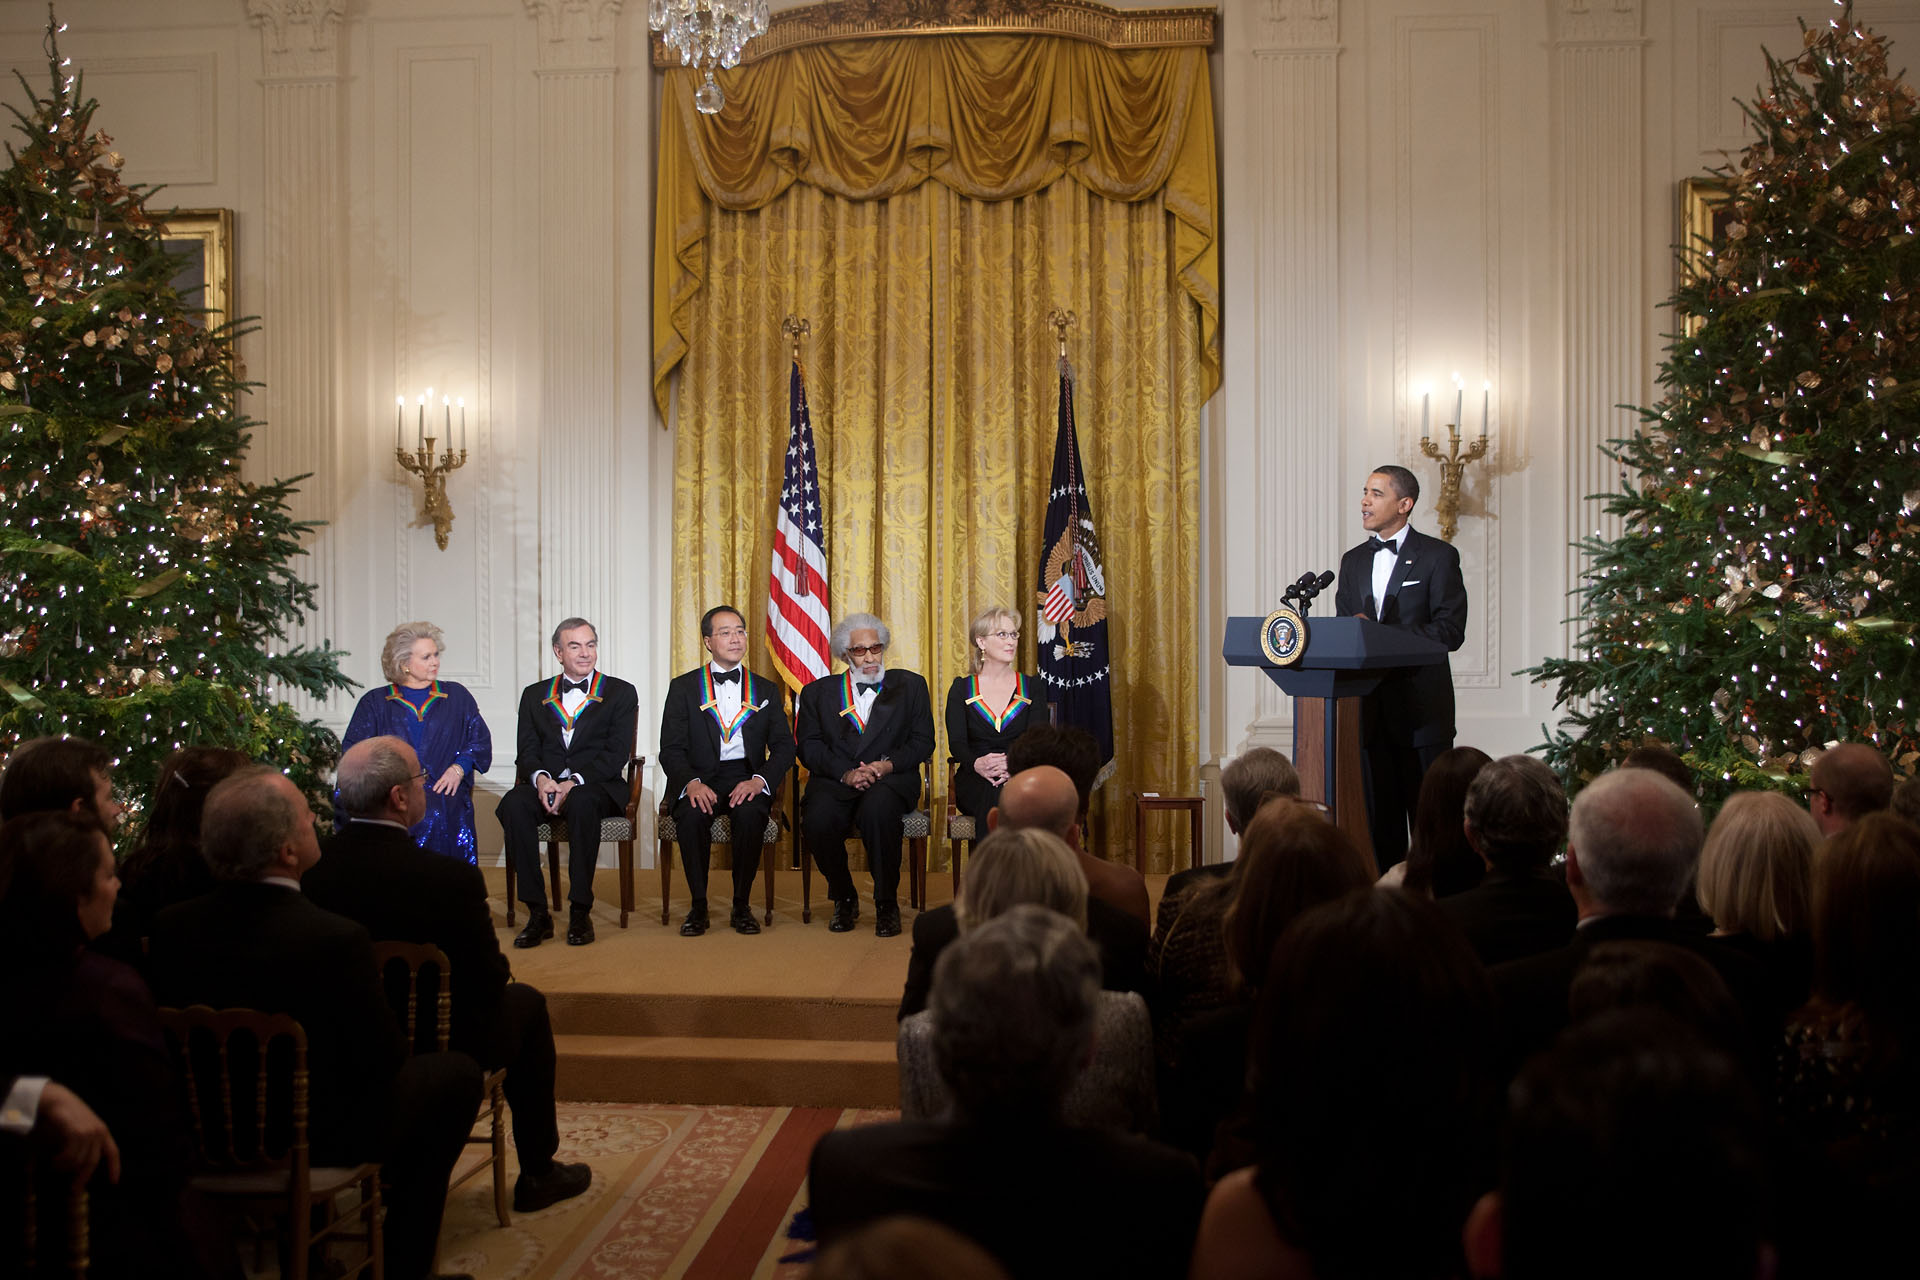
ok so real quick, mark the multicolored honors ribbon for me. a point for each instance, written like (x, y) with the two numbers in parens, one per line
(553, 699)
(1005, 717)
(848, 706)
(419, 712)
(712, 704)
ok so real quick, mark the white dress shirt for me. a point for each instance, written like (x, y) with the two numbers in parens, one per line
(1383, 562)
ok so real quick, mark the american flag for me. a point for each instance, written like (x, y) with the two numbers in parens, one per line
(799, 614)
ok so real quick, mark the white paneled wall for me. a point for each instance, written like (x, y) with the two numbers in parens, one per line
(458, 193)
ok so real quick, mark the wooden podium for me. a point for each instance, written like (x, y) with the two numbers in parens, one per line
(1345, 659)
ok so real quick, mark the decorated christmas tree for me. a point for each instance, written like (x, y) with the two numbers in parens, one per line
(144, 586)
(1762, 599)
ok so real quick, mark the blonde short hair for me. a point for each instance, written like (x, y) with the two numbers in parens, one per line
(1756, 867)
(1013, 866)
(399, 647)
(983, 624)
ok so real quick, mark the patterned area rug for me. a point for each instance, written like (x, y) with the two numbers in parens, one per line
(699, 1192)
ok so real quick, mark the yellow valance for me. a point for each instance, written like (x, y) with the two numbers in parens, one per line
(990, 117)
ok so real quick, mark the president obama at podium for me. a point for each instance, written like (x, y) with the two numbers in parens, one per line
(1402, 578)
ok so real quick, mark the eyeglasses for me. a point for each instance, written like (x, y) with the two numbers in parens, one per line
(1004, 635)
(416, 777)
(865, 650)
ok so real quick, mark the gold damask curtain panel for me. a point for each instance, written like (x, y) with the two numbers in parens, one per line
(989, 117)
(931, 370)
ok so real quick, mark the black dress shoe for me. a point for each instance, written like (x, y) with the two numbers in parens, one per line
(695, 924)
(579, 927)
(539, 927)
(742, 920)
(535, 1191)
(846, 914)
(886, 920)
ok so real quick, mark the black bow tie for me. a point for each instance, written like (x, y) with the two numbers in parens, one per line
(727, 677)
(1376, 546)
(570, 686)
(866, 686)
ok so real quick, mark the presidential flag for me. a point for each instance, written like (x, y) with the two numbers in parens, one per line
(1072, 594)
(799, 615)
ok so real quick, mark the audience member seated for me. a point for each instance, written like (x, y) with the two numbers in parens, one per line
(1847, 783)
(1666, 762)
(1849, 1066)
(60, 773)
(1045, 798)
(373, 872)
(1633, 839)
(1756, 884)
(1246, 782)
(79, 1017)
(256, 942)
(1027, 865)
(905, 1246)
(1661, 976)
(1440, 862)
(1632, 1149)
(1906, 800)
(1373, 1096)
(167, 867)
(1076, 754)
(1292, 859)
(1014, 1004)
(1516, 819)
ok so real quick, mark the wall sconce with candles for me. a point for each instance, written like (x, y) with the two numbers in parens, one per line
(422, 461)
(1454, 465)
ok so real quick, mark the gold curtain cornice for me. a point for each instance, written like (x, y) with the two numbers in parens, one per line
(989, 117)
(1075, 19)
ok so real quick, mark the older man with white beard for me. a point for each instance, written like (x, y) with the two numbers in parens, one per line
(863, 736)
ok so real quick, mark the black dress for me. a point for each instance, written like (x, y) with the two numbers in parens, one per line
(975, 730)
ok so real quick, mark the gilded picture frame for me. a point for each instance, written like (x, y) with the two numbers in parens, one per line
(202, 239)
(1705, 210)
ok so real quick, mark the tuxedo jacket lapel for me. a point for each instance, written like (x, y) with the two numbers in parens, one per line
(884, 703)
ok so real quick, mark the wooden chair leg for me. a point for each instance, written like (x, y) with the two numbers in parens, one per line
(666, 876)
(499, 1105)
(553, 873)
(626, 880)
(806, 883)
(769, 854)
(954, 857)
(508, 859)
(917, 854)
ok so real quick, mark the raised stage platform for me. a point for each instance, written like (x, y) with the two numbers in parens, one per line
(793, 1016)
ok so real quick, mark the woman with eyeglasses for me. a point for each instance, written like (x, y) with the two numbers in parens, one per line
(986, 711)
(441, 722)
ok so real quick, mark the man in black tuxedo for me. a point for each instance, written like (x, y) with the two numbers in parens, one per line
(726, 746)
(575, 739)
(374, 873)
(258, 942)
(863, 736)
(1402, 578)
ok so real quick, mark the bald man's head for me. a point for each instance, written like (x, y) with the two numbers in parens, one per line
(1849, 782)
(1042, 797)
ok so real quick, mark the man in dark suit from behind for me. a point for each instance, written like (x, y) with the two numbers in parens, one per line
(1074, 752)
(1402, 578)
(257, 942)
(1516, 818)
(1245, 781)
(726, 747)
(863, 736)
(1632, 842)
(1046, 798)
(372, 872)
(575, 738)
(1013, 1015)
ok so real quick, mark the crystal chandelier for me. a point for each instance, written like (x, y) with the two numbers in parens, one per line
(708, 34)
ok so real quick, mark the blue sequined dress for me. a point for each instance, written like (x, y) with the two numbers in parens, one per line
(443, 724)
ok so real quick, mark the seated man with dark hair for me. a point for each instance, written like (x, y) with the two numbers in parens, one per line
(1848, 782)
(374, 873)
(257, 942)
(59, 773)
(1013, 1015)
(1076, 754)
(1516, 819)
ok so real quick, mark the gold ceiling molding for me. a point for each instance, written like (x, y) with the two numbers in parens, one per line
(1074, 19)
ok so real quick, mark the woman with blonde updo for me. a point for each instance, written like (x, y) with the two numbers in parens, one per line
(441, 721)
(986, 711)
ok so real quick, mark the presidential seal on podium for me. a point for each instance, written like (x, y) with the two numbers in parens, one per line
(1283, 636)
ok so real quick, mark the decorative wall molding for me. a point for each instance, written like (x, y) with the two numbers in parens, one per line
(576, 35)
(1298, 25)
(1597, 21)
(298, 38)
(193, 80)
(1074, 19)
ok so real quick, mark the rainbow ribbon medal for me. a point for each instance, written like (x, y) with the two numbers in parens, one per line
(849, 708)
(553, 700)
(999, 722)
(712, 705)
(419, 712)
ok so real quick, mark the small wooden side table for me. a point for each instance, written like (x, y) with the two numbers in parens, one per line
(1195, 806)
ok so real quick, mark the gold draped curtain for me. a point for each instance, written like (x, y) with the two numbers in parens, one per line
(925, 202)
